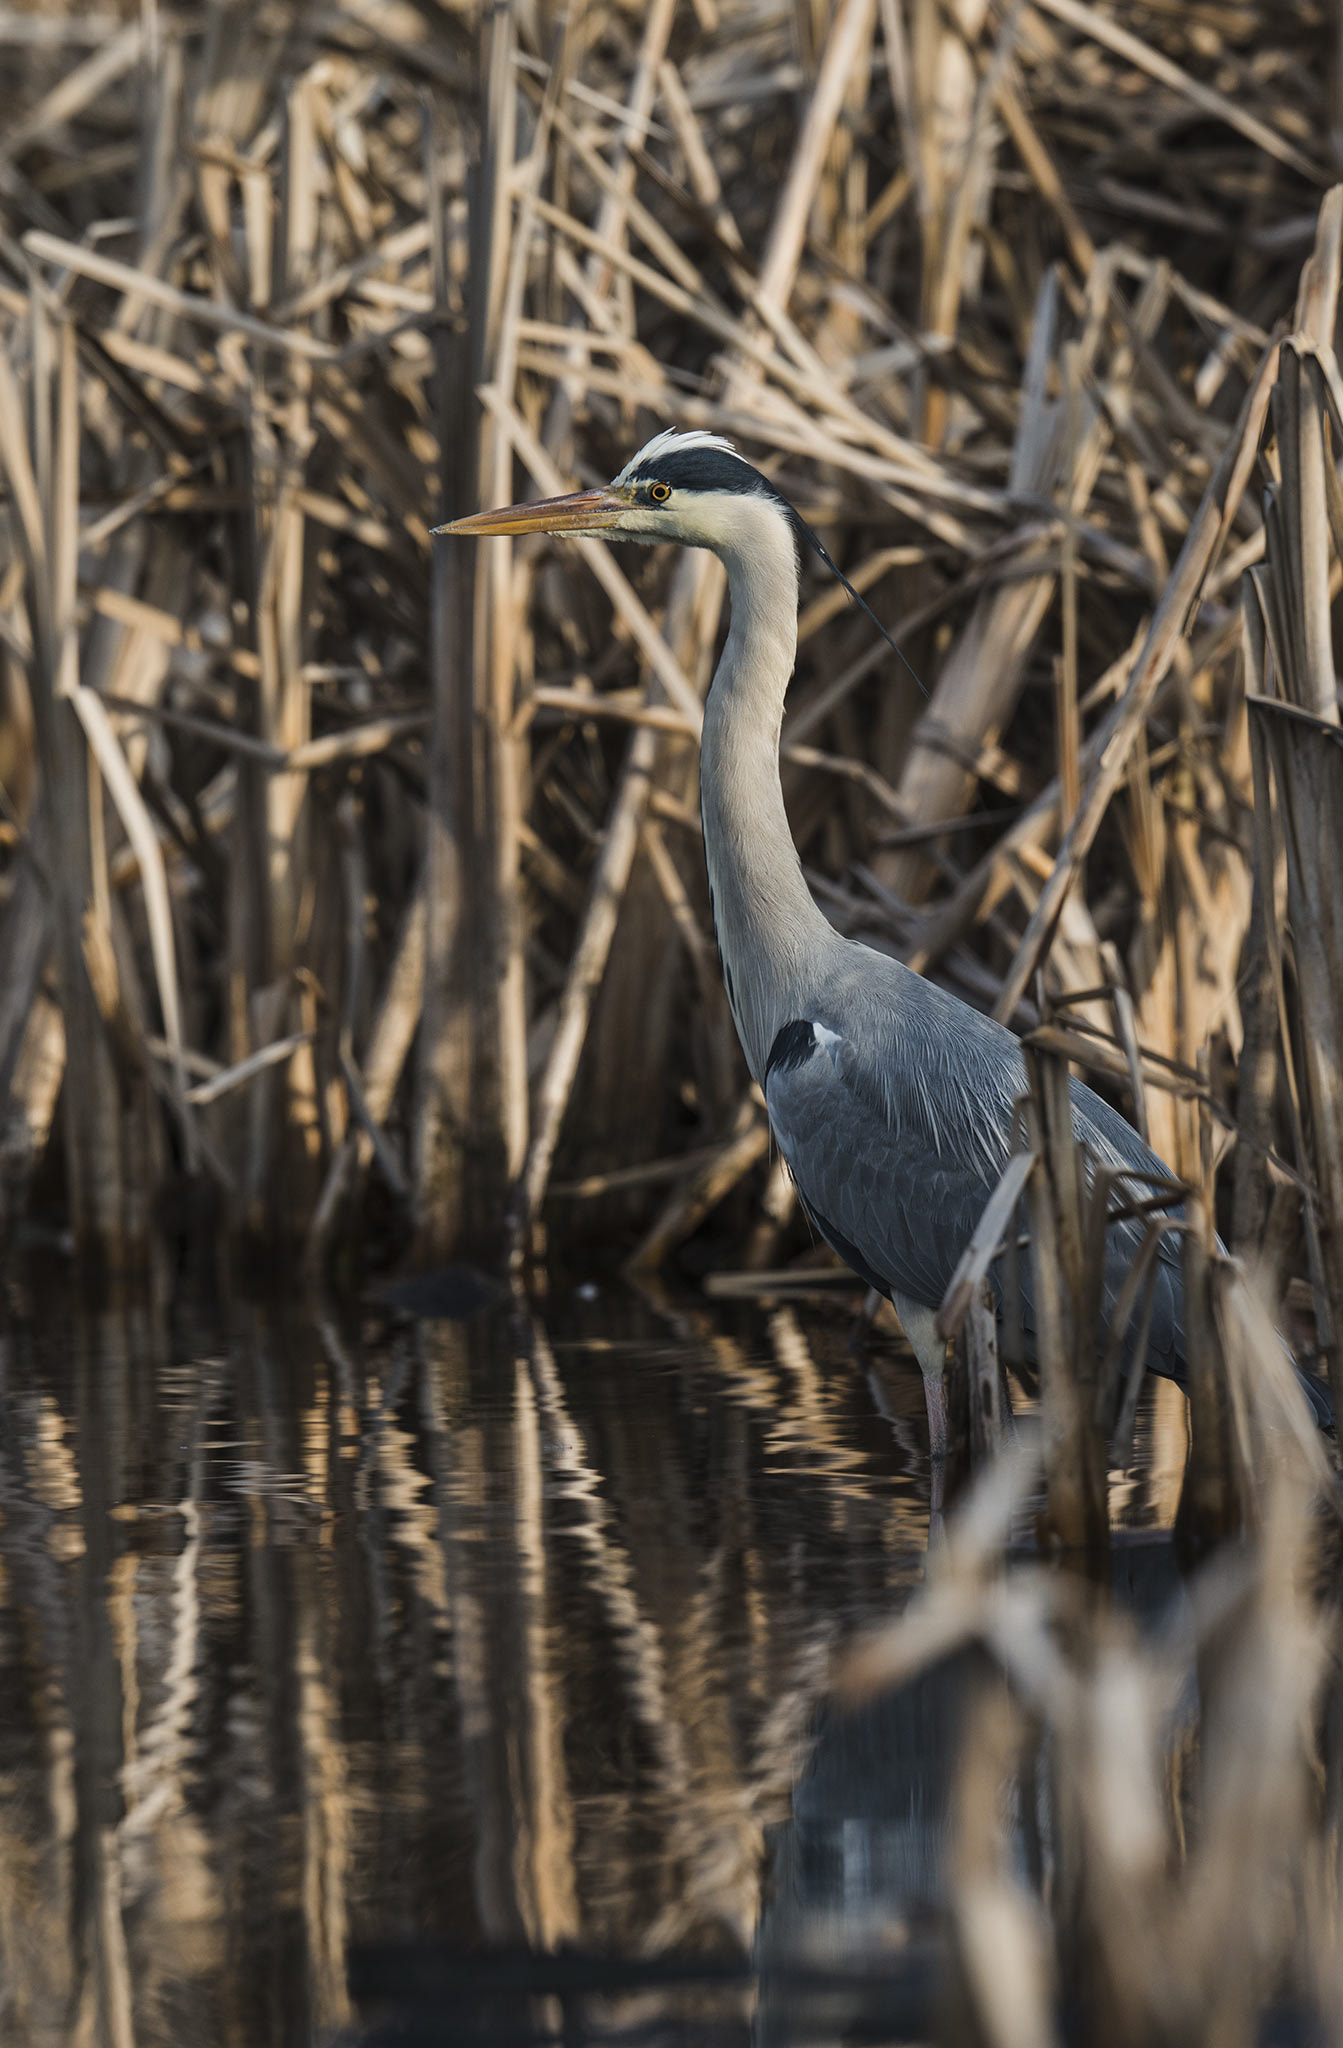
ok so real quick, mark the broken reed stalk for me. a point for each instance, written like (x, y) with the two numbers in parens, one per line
(1076, 1512)
(1214, 1499)
(106, 1098)
(1297, 756)
(1304, 756)
(1257, 1080)
(989, 1413)
(472, 1096)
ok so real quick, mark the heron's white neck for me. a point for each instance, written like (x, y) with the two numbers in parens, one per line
(770, 934)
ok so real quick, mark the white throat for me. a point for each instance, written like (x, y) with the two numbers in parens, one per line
(769, 929)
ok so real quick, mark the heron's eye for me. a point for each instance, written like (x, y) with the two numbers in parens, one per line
(659, 493)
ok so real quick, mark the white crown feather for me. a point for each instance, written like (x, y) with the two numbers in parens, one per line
(671, 441)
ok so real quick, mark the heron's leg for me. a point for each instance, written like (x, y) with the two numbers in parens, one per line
(935, 1400)
(919, 1323)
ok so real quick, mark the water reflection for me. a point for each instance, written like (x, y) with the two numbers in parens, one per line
(504, 1636)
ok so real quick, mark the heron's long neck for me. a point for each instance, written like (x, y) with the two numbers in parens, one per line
(770, 934)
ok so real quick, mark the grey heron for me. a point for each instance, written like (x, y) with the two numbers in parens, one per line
(891, 1101)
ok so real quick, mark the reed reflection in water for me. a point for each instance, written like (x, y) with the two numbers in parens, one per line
(496, 1634)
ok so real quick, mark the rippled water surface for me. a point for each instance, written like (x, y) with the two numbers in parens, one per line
(354, 1669)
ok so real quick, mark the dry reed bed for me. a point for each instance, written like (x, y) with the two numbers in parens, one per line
(334, 864)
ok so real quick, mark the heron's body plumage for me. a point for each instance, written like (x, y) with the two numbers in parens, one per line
(893, 1103)
(898, 1123)
(898, 1126)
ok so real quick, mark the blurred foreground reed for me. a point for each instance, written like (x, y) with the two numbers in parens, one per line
(1146, 1828)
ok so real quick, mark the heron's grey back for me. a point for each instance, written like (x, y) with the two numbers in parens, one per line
(897, 1118)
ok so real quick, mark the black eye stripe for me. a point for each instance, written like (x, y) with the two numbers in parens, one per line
(703, 469)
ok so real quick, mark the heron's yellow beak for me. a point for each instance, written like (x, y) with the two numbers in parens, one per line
(580, 512)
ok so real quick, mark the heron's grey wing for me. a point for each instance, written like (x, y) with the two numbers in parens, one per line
(896, 1147)
(894, 1158)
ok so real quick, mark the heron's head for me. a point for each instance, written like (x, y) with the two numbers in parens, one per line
(695, 489)
(692, 488)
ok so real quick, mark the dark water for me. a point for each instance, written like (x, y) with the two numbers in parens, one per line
(443, 1682)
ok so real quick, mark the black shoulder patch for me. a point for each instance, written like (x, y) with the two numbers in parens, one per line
(793, 1046)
